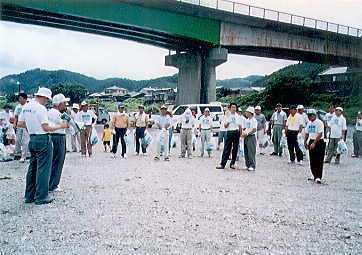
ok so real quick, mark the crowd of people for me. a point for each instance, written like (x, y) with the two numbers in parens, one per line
(41, 135)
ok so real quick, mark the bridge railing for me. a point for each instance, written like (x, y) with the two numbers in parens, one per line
(264, 13)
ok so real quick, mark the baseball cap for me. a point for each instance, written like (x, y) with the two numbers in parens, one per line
(75, 106)
(83, 103)
(300, 107)
(279, 105)
(311, 112)
(294, 107)
(163, 107)
(60, 98)
(339, 108)
(250, 109)
(44, 92)
(207, 110)
(257, 107)
(121, 106)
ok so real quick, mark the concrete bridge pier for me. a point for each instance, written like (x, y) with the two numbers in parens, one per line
(197, 75)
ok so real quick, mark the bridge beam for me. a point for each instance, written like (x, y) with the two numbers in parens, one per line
(197, 74)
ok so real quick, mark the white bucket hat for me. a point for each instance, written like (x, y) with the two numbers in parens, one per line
(339, 108)
(250, 109)
(75, 106)
(44, 92)
(60, 98)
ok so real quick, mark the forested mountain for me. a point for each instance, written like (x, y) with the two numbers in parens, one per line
(32, 79)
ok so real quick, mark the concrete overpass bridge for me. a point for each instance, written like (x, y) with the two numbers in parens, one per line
(202, 32)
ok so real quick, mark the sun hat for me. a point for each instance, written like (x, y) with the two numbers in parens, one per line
(44, 92)
(75, 106)
(257, 107)
(60, 98)
(250, 109)
(339, 108)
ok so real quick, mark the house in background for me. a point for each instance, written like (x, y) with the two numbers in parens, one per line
(337, 80)
(115, 91)
(159, 95)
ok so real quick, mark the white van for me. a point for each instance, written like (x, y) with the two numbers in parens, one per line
(215, 111)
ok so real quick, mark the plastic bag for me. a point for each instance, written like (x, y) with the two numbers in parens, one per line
(264, 142)
(342, 147)
(210, 146)
(283, 142)
(94, 137)
(146, 140)
(301, 143)
(194, 140)
(173, 142)
(161, 140)
(241, 148)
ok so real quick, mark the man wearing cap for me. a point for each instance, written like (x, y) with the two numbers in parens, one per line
(141, 126)
(163, 123)
(313, 141)
(261, 129)
(250, 127)
(205, 128)
(22, 136)
(120, 123)
(58, 140)
(328, 117)
(300, 109)
(338, 131)
(188, 123)
(34, 117)
(278, 121)
(75, 139)
(233, 126)
(88, 117)
(357, 137)
(295, 124)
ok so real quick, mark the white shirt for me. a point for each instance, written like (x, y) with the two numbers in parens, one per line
(54, 117)
(328, 117)
(234, 120)
(314, 129)
(75, 116)
(250, 124)
(304, 118)
(359, 125)
(279, 117)
(18, 109)
(337, 124)
(222, 122)
(34, 115)
(188, 121)
(299, 121)
(206, 122)
(86, 117)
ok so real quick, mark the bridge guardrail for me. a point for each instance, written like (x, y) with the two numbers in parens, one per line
(264, 13)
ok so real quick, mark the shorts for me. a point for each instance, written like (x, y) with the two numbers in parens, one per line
(107, 143)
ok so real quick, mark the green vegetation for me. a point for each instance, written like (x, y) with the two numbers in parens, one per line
(76, 92)
(131, 105)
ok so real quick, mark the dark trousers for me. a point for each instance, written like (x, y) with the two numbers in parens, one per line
(316, 157)
(120, 133)
(231, 145)
(293, 146)
(59, 150)
(140, 134)
(37, 177)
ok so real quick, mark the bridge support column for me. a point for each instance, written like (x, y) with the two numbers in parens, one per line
(197, 76)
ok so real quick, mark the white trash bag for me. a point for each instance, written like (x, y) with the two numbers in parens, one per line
(342, 147)
(94, 139)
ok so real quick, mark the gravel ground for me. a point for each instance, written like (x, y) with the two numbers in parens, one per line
(185, 206)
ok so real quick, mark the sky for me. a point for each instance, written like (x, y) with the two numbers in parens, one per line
(25, 47)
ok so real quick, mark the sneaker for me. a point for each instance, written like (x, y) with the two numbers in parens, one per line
(144, 154)
(220, 167)
(114, 156)
(232, 166)
(354, 156)
(262, 153)
(181, 156)
(156, 158)
(318, 181)
(189, 157)
(291, 162)
(300, 162)
(251, 169)
(136, 154)
(327, 162)
(124, 156)
(245, 168)
(167, 158)
(280, 154)
(22, 160)
(274, 154)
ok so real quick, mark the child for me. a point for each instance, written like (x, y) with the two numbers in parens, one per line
(3, 129)
(106, 138)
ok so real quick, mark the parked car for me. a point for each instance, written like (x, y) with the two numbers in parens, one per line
(215, 111)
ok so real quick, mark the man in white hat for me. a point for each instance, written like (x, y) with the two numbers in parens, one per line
(75, 139)
(88, 117)
(188, 123)
(314, 143)
(249, 130)
(300, 109)
(58, 139)
(141, 122)
(163, 123)
(34, 117)
(261, 129)
(205, 128)
(277, 122)
(22, 136)
(338, 131)
(293, 129)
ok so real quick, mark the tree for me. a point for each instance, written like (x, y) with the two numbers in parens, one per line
(75, 92)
